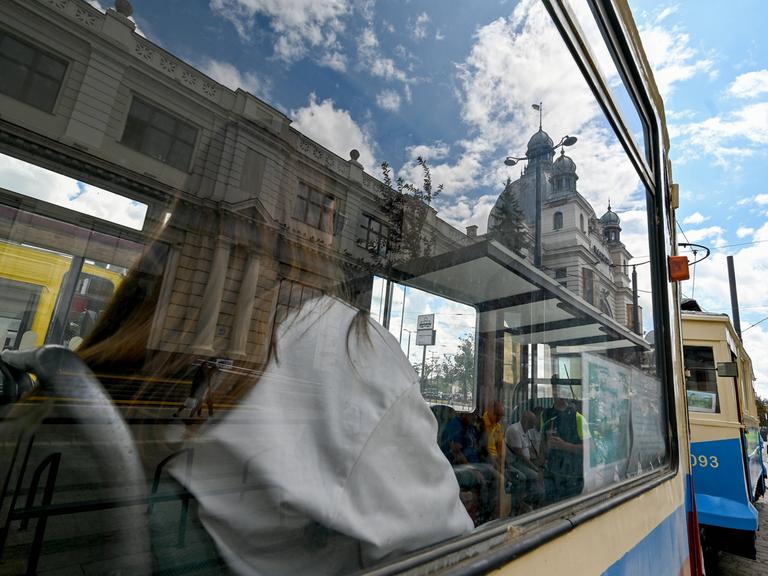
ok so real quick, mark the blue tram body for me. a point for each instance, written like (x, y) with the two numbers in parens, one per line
(723, 493)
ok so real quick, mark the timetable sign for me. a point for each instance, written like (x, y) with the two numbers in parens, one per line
(425, 337)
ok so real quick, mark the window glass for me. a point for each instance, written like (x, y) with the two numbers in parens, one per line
(155, 133)
(701, 379)
(28, 74)
(628, 108)
(371, 274)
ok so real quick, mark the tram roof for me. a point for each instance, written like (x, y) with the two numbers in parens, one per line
(534, 308)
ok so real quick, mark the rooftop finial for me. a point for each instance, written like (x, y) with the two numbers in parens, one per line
(609, 204)
(123, 8)
(538, 107)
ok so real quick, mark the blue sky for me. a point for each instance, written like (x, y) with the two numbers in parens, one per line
(711, 63)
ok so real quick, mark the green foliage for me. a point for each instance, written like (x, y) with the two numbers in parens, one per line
(406, 206)
(509, 227)
(762, 411)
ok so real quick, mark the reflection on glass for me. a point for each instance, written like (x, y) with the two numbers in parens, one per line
(392, 328)
(637, 126)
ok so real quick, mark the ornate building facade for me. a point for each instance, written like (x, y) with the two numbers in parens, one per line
(580, 250)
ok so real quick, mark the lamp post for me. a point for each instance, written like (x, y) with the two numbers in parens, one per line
(536, 157)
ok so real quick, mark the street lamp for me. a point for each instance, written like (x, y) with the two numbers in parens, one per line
(512, 160)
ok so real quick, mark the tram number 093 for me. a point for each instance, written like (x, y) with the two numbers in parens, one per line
(704, 461)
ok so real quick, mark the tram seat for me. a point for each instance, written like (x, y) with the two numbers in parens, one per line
(97, 452)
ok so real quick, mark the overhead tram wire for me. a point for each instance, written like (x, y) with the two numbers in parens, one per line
(755, 324)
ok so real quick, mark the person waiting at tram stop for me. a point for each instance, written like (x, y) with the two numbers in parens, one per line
(563, 430)
(328, 461)
(464, 444)
(524, 473)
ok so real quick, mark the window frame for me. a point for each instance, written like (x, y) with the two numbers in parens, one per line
(32, 72)
(709, 370)
(303, 205)
(152, 125)
(381, 247)
(557, 220)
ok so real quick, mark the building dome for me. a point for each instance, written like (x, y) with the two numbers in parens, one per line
(563, 165)
(610, 218)
(539, 140)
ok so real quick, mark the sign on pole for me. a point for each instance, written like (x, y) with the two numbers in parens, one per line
(425, 322)
(425, 337)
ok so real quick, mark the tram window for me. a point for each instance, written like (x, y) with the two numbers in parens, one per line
(466, 362)
(18, 306)
(701, 379)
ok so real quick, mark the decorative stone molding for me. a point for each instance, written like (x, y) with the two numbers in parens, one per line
(144, 51)
(168, 65)
(209, 89)
(80, 12)
(85, 17)
(328, 159)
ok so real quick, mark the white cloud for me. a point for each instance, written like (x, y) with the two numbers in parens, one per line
(743, 232)
(232, 78)
(666, 12)
(695, 218)
(420, 26)
(388, 100)
(728, 139)
(436, 151)
(714, 234)
(299, 24)
(750, 85)
(761, 199)
(335, 129)
(334, 60)
(670, 54)
(374, 62)
(36, 182)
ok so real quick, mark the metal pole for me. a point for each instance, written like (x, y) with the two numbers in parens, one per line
(423, 364)
(402, 317)
(734, 296)
(537, 264)
(635, 311)
(537, 235)
(408, 355)
(387, 304)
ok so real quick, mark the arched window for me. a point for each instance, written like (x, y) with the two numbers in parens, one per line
(581, 221)
(557, 221)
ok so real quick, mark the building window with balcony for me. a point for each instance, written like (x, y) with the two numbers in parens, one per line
(28, 74)
(159, 134)
(315, 208)
(557, 221)
(374, 235)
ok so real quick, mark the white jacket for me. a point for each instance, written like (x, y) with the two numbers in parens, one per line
(343, 464)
